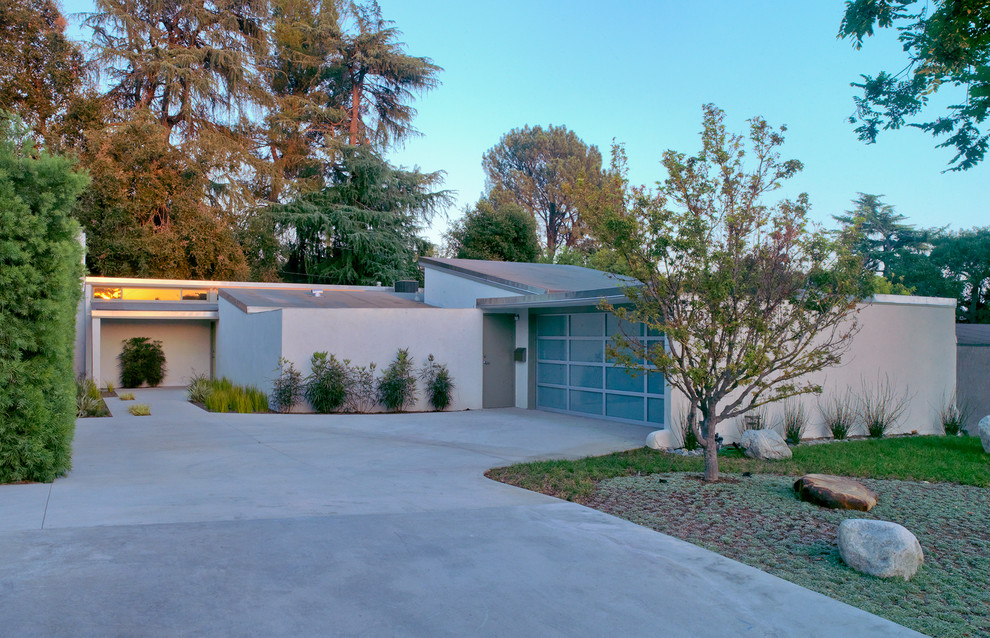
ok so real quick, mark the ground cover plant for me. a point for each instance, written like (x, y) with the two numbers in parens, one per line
(140, 409)
(141, 360)
(127, 396)
(89, 399)
(222, 395)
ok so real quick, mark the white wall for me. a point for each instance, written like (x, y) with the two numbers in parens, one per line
(248, 345)
(523, 367)
(910, 340)
(366, 335)
(186, 345)
(444, 289)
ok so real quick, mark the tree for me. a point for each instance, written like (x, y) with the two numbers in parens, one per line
(958, 265)
(39, 291)
(503, 233)
(41, 70)
(947, 43)
(362, 227)
(539, 169)
(749, 297)
(884, 238)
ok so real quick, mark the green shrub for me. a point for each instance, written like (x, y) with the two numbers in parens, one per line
(439, 384)
(839, 415)
(141, 360)
(199, 388)
(40, 270)
(397, 387)
(327, 387)
(362, 395)
(795, 422)
(287, 387)
(221, 395)
(89, 401)
(140, 409)
(952, 416)
(881, 408)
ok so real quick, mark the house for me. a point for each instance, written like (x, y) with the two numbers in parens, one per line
(513, 334)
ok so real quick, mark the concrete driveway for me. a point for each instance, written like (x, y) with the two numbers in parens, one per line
(187, 523)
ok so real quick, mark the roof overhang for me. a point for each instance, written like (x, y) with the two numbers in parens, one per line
(511, 286)
(554, 299)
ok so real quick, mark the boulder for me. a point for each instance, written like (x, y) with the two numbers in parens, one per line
(658, 440)
(764, 444)
(836, 492)
(879, 548)
(983, 429)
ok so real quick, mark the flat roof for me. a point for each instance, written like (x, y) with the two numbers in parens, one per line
(253, 299)
(530, 278)
(973, 334)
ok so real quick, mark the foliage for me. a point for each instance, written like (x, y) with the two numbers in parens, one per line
(881, 408)
(39, 290)
(952, 416)
(682, 433)
(109, 386)
(497, 233)
(957, 266)
(750, 298)
(89, 401)
(947, 45)
(795, 421)
(439, 384)
(363, 388)
(222, 395)
(397, 386)
(838, 414)
(884, 240)
(140, 409)
(328, 385)
(127, 396)
(539, 169)
(41, 70)
(199, 388)
(362, 228)
(141, 360)
(287, 388)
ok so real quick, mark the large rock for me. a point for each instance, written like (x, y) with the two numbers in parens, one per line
(836, 492)
(984, 431)
(879, 548)
(658, 440)
(764, 444)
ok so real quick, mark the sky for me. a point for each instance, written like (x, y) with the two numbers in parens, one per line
(639, 71)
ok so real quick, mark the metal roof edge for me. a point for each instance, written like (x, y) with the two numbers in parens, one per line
(912, 300)
(573, 298)
(467, 273)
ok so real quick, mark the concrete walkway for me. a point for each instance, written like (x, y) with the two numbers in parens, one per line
(187, 523)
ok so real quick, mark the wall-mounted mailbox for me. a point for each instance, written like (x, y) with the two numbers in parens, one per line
(519, 354)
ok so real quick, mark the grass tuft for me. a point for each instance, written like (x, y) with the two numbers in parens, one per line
(140, 409)
(222, 395)
(127, 396)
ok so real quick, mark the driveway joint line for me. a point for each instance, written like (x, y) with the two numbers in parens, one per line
(48, 500)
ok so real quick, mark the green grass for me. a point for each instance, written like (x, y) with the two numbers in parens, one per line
(140, 409)
(222, 395)
(919, 458)
(127, 396)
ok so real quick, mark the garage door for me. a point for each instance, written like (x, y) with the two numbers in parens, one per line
(574, 374)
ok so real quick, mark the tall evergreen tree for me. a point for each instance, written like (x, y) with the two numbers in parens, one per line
(885, 239)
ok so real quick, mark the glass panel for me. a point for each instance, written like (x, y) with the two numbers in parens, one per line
(588, 325)
(551, 325)
(195, 295)
(614, 325)
(622, 379)
(654, 411)
(152, 294)
(654, 383)
(553, 349)
(631, 351)
(555, 373)
(587, 402)
(591, 351)
(624, 407)
(586, 376)
(652, 332)
(106, 293)
(555, 398)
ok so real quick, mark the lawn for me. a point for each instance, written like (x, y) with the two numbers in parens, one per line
(934, 486)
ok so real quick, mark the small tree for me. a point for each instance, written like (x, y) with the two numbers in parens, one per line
(287, 388)
(397, 387)
(750, 298)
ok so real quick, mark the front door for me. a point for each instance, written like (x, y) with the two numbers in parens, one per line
(499, 376)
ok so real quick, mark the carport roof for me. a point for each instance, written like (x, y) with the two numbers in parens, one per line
(539, 279)
(973, 334)
(254, 300)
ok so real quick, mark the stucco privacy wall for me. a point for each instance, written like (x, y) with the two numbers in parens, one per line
(186, 345)
(248, 345)
(366, 335)
(911, 340)
(447, 290)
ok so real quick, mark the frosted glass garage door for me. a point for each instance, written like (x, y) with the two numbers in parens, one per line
(575, 374)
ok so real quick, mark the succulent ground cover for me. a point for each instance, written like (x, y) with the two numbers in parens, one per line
(754, 517)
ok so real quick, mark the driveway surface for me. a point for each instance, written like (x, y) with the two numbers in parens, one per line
(187, 523)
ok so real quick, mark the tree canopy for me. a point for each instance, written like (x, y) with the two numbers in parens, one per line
(500, 233)
(749, 296)
(540, 169)
(884, 239)
(947, 43)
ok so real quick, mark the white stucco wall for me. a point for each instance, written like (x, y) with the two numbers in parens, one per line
(910, 340)
(366, 335)
(186, 345)
(248, 345)
(444, 289)
(523, 367)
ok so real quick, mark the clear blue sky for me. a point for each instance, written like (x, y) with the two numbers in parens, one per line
(639, 71)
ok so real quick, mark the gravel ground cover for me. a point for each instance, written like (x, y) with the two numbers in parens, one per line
(758, 520)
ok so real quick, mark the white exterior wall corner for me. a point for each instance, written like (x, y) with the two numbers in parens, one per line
(910, 340)
(248, 346)
(186, 345)
(372, 335)
(445, 289)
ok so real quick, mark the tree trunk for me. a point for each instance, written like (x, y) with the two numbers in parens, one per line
(355, 112)
(711, 452)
